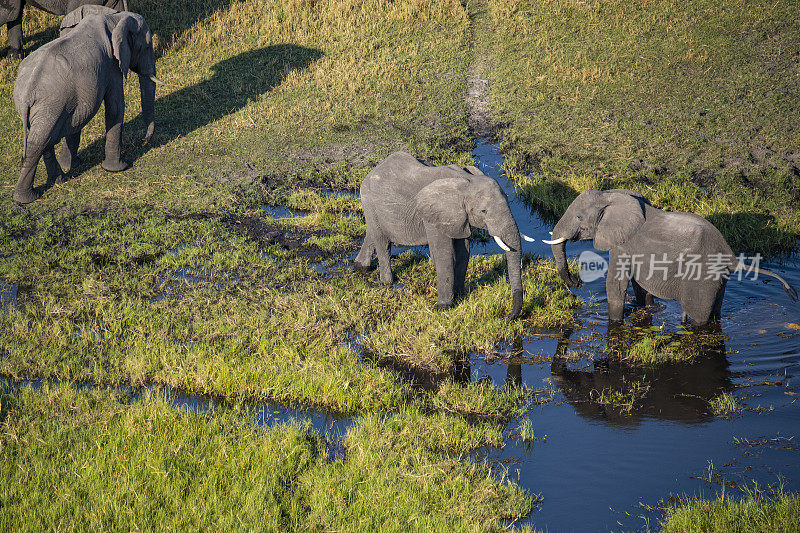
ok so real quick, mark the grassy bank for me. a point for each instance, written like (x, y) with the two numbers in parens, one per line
(172, 273)
(756, 513)
(694, 104)
(90, 460)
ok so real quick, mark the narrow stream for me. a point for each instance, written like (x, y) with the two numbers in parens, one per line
(602, 467)
(269, 414)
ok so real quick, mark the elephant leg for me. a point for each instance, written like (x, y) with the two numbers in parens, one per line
(716, 313)
(364, 258)
(443, 255)
(642, 296)
(54, 173)
(68, 158)
(616, 285)
(461, 248)
(382, 249)
(14, 33)
(24, 193)
(115, 114)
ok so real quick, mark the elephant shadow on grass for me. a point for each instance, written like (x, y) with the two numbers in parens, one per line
(236, 81)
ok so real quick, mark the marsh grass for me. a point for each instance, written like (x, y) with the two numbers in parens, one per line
(693, 104)
(724, 405)
(624, 397)
(90, 460)
(757, 512)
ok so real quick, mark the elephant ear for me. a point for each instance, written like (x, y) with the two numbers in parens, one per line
(120, 42)
(74, 17)
(441, 205)
(619, 220)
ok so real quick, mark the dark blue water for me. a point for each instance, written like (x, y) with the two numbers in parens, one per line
(600, 465)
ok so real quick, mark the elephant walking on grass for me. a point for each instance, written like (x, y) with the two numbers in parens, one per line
(674, 256)
(61, 85)
(407, 202)
(11, 15)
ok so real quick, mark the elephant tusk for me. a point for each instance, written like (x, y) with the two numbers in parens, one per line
(501, 244)
(529, 239)
(156, 80)
(554, 241)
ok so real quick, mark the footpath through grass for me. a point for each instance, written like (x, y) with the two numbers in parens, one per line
(694, 104)
(176, 272)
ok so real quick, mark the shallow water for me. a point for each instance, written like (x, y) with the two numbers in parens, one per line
(8, 294)
(329, 426)
(600, 465)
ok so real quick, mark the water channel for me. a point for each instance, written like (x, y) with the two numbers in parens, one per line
(602, 467)
(599, 467)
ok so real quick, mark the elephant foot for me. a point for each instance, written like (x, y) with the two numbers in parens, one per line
(66, 166)
(26, 197)
(361, 269)
(114, 166)
(58, 180)
(16, 53)
(441, 306)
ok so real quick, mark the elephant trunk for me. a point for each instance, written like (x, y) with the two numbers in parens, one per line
(510, 236)
(147, 88)
(561, 234)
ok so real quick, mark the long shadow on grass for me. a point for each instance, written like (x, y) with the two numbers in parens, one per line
(236, 81)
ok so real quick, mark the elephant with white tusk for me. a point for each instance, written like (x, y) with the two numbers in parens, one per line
(669, 255)
(61, 85)
(407, 202)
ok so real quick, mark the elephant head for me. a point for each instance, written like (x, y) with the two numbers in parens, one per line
(132, 46)
(465, 199)
(609, 218)
(132, 43)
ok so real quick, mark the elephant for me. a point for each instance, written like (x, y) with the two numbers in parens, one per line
(669, 255)
(61, 85)
(11, 15)
(407, 202)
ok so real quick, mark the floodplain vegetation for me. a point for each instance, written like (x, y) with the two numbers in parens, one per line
(188, 270)
(694, 104)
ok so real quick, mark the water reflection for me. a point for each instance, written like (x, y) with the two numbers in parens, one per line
(620, 393)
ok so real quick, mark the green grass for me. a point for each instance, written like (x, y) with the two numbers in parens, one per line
(170, 273)
(724, 404)
(89, 460)
(694, 104)
(755, 513)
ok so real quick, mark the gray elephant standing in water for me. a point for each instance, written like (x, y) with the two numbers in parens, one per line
(11, 15)
(61, 85)
(409, 203)
(674, 256)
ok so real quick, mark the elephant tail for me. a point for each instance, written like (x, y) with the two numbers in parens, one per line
(791, 291)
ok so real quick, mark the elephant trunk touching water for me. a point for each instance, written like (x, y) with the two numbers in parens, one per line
(409, 203)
